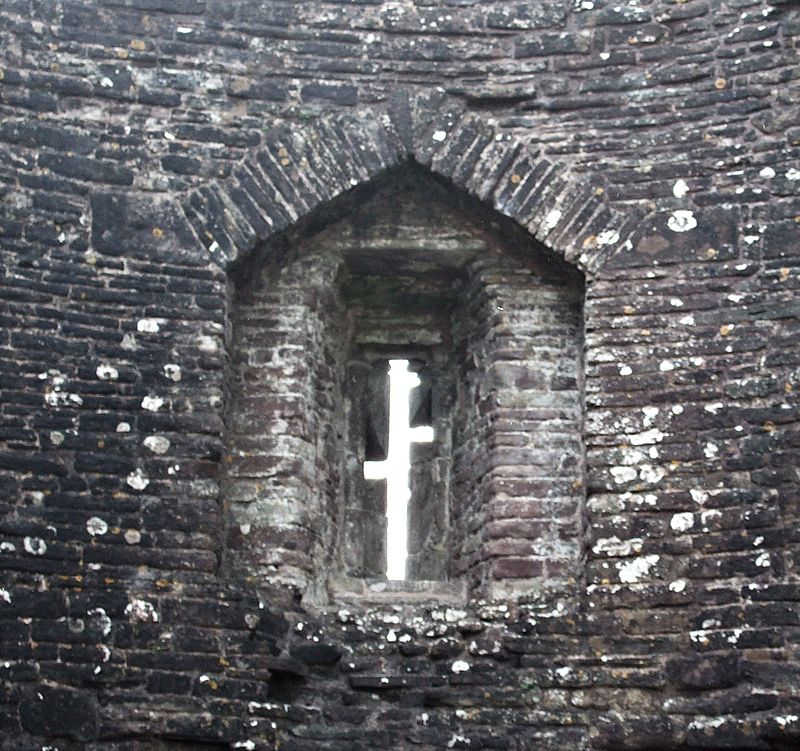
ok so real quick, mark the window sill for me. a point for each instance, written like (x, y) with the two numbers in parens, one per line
(382, 591)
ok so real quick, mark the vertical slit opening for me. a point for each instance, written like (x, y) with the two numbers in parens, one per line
(395, 468)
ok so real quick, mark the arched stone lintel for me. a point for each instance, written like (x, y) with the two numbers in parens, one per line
(301, 167)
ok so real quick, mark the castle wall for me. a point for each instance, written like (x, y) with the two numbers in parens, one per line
(150, 150)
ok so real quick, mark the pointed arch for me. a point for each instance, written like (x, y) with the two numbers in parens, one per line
(299, 167)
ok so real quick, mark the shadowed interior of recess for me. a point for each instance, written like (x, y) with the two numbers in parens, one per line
(411, 282)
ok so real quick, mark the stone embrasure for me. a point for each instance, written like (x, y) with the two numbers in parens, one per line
(611, 196)
(492, 323)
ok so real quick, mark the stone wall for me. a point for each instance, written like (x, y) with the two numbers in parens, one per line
(153, 149)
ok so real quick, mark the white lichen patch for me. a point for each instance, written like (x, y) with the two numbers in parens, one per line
(614, 547)
(551, 220)
(608, 237)
(682, 220)
(34, 545)
(54, 377)
(152, 403)
(149, 325)
(55, 397)
(767, 173)
(682, 522)
(633, 571)
(622, 474)
(128, 342)
(714, 408)
(717, 722)
(650, 474)
(251, 620)
(62, 399)
(172, 371)
(439, 135)
(157, 444)
(677, 586)
(107, 372)
(666, 365)
(96, 526)
(699, 496)
(707, 516)
(207, 343)
(700, 636)
(141, 611)
(793, 174)
(132, 536)
(630, 456)
(710, 450)
(459, 666)
(733, 636)
(137, 479)
(454, 615)
(680, 189)
(763, 560)
(449, 615)
(5, 596)
(650, 413)
(100, 616)
(123, 427)
(676, 302)
(647, 437)
(624, 370)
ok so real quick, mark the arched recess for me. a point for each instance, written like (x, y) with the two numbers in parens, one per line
(291, 183)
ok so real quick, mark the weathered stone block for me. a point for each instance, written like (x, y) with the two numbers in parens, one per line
(718, 671)
(59, 713)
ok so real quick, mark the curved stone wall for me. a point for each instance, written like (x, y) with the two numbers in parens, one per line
(150, 147)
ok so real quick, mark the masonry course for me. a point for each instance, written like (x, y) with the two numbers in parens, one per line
(150, 150)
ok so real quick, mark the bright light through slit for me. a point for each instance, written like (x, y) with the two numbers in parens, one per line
(397, 465)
